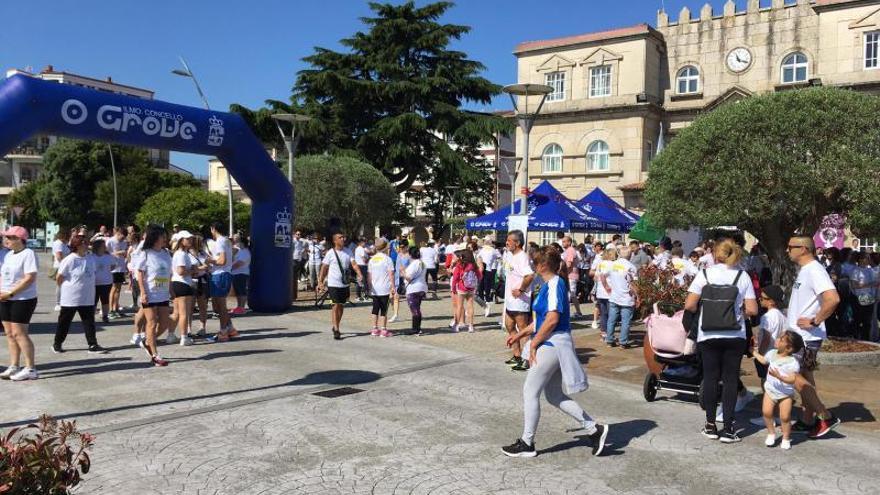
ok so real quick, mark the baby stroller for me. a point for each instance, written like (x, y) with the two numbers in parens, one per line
(669, 368)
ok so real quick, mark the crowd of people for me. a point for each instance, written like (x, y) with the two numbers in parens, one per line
(171, 277)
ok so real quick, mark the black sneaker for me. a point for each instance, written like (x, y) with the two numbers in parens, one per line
(710, 431)
(801, 427)
(598, 439)
(57, 349)
(513, 360)
(96, 349)
(523, 365)
(519, 449)
(730, 435)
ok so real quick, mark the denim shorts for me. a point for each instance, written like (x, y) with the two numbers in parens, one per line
(220, 284)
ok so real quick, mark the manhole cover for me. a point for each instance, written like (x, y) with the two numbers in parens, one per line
(338, 392)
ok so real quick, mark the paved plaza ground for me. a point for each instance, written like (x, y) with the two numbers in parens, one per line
(427, 417)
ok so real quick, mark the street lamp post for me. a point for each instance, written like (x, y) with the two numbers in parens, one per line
(187, 72)
(525, 120)
(290, 143)
(115, 194)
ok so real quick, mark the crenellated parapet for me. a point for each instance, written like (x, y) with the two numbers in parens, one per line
(686, 17)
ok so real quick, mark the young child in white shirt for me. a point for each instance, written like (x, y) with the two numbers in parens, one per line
(779, 387)
(771, 326)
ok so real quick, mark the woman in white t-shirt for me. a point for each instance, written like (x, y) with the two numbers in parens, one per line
(60, 250)
(603, 269)
(201, 279)
(416, 289)
(105, 263)
(721, 346)
(76, 277)
(183, 285)
(153, 270)
(241, 272)
(18, 300)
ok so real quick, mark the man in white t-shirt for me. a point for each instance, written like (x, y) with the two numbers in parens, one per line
(381, 274)
(362, 258)
(221, 278)
(813, 300)
(518, 277)
(619, 283)
(298, 251)
(429, 257)
(316, 256)
(334, 278)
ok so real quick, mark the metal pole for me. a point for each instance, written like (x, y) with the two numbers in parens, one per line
(525, 165)
(115, 193)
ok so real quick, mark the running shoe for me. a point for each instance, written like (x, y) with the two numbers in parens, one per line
(456, 328)
(186, 340)
(577, 316)
(470, 329)
(519, 449)
(105, 319)
(385, 333)
(171, 338)
(770, 441)
(96, 349)
(374, 332)
(730, 435)
(57, 349)
(513, 360)
(597, 438)
(392, 319)
(222, 336)
(710, 431)
(785, 444)
(523, 365)
(595, 325)
(201, 334)
(232, 332)
(452, 324)
(823, 427)
(25, 374)
(158, 361)
(136, 338)
(8, 372)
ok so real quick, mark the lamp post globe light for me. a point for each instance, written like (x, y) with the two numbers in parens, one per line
(188, 73)
(525, 120)
(290, 143)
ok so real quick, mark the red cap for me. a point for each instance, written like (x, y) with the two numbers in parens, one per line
(16, 231)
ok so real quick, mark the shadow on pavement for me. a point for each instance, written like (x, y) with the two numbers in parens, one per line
(619, 436)
(853, 412)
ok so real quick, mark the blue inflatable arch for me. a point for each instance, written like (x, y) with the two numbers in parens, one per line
(29, 105)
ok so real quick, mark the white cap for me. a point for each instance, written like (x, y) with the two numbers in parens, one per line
(183, 234)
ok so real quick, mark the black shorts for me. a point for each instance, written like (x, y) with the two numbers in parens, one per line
(401, 286)
(339, 295)
(181, 289)
(240, 284)
(18, 311)
(161, 304)
(514, 314)
(118, 278)
(380, 305)
(102, 293)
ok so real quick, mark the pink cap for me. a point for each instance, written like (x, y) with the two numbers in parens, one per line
(16, 231)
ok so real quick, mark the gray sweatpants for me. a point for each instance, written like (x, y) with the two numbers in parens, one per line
(547, 377)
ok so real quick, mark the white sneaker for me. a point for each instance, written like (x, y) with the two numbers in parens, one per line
(171, 338)
(452, 324)
(785, 444)
(488, 310)
(136, 338)
(186, 340)
(743, 400)
(770, 441)
(470, 329)
(57, 308)
(25, 374)
(595, 324)
(8, 372)
(456, 328)
(392, 319)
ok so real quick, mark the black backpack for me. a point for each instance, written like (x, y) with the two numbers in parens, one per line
(718, 306)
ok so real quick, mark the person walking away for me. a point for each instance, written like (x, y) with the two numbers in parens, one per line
(60, 250)
(415, 276)
(598, 257)
(135, 251)
(602, 270)
(334, 278)
(401, 261)
(18, 300)
(220, 261)
(241, 273)
(571, 259)
(298, 252)
(362, 258)
(662, 256)
(105, 263)
(153, 271)
(813, 300)
(863, 286)
(117, 246)
(183, 284)
(623, 300)
(720, 293)
(783, 368)
(685, 269)
(518, 278)
(466, 278)
(451, 261)
(76, 277)
(381, 272)
(202, 282)
(488, 257)
(430, 258)
(555, 368)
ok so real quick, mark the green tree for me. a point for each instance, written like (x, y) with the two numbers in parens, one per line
(774, 165)
(341, 187)
(25, 197)
(193, 208)
(135, 185)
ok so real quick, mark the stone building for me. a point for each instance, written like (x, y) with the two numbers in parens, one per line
(616, 91)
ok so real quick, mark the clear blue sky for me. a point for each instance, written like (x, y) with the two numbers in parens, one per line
(249, 51)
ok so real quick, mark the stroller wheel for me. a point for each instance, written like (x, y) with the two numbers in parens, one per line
(650, 387)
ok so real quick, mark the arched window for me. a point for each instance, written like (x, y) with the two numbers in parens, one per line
(597, 156)
(551, 158)
(794, 68)
(688, 80)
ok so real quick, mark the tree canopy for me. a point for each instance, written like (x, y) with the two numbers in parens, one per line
(135, 185)
(773, 165)
(193, 208)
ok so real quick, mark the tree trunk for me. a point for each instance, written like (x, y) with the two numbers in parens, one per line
(775, 241)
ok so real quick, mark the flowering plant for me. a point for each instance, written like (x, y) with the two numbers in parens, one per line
(46, 458)
(656, 285)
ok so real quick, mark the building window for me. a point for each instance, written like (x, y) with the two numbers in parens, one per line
(597, 156)
(794, 68)
(872, 46)
(600, 81)
(556, 80)
(548, 238)
(688, 80)
(868, 245)
(551, 158)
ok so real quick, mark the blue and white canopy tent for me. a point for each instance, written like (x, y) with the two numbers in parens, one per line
(616, 217)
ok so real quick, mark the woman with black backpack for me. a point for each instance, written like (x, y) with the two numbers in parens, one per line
(724, 297)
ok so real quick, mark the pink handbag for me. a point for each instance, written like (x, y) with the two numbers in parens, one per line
(666, 333)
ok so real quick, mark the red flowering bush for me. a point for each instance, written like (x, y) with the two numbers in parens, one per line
(659, 286)
(46, 458)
